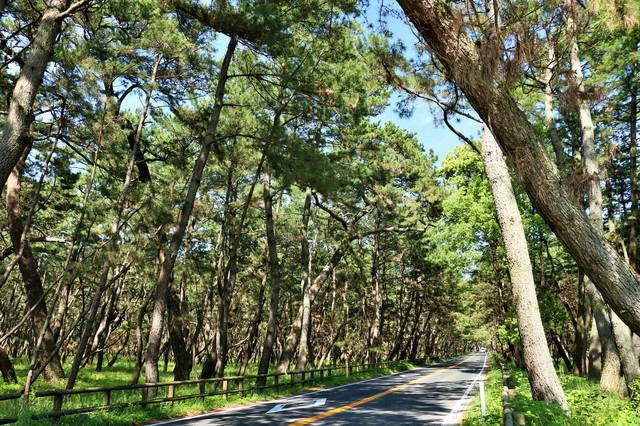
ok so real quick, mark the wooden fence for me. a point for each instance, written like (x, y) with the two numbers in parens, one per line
(170, 392)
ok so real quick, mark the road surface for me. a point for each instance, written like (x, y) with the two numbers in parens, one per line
(438, 395)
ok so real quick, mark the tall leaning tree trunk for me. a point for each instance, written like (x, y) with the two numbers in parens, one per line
(545, 385)
(583, 320)
(591, 171)
(274, 272)
(20, 115)
(30, 275)
(305, 265)
(375, 338)
(633, 172)
(166, 270)
(525, 151)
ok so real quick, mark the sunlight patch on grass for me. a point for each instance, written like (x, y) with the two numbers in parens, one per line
(588, 404)
(121, 373)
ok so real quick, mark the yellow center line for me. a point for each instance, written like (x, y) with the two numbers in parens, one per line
(346, 407)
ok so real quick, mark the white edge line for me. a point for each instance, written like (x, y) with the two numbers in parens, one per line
(272, 401)
(452, 418)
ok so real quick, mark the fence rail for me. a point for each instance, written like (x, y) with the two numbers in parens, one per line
(170, 392)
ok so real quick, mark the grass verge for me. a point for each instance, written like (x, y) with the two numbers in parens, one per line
(588, 404)
(138, 415)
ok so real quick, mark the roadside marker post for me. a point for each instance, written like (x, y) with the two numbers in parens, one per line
(483, 406)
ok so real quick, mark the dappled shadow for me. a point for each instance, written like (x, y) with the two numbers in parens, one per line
(429, 401)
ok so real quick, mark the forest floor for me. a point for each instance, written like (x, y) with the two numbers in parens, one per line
(588, 404)
(121, 373)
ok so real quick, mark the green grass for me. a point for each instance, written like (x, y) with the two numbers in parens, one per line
(588, 404)
(493, 401)
(121, 373)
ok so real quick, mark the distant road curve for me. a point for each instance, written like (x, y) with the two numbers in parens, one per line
(436, 395)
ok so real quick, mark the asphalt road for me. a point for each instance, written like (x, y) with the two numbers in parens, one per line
(437, 395)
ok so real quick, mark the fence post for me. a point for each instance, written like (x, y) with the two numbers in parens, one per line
(171, 393)
(321, 374)
(225, 388)
(303, 377)
(106, 398)
(57, 403)
(144, 396)
(201, 388)
(346, 368)
(276, 381)
(240, 383)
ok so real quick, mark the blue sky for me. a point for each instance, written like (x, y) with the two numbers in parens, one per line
(435, 137)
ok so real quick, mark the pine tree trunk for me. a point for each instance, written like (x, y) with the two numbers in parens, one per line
(543, 379)
(526, 153)
(30, 275)
(633, 176)
(164, 278)
(6, 368)
(178, 339)
(139, 341)
(374, 331)
(274, 271)
(594, 370)
(591, 170)
(305, 264)
(583, 321)
(14, 138)
(610, 374)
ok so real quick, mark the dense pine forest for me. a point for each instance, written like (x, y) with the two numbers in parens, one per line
(208, 183)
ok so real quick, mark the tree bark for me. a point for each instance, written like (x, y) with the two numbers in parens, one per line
(375, 337)
(594, 370)
(6, 367)
(178, 338)
(543, 379)
(525, 152)
(591, 170)
(20, 115)
(305, 264)
(633, 178)
(274, 272)
(610, 373)
(402, 327)
(583, 321)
